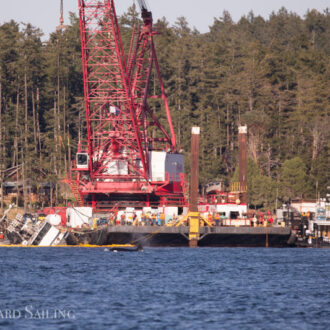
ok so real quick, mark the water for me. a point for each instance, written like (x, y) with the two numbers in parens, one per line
(174, 288)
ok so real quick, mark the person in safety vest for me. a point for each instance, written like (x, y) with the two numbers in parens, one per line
(209, 217)
(162, 219)
(153, 219)
(217, 219)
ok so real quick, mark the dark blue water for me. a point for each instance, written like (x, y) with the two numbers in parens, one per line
(79, 288)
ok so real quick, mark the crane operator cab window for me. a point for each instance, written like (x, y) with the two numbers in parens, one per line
(82, 161)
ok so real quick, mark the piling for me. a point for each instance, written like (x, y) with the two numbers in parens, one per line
(242, 159)
(194, 178)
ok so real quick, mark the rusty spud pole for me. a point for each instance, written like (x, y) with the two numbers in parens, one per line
(194, 169)
(242, 159)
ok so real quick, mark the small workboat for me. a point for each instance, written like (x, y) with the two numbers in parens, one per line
(126, 248)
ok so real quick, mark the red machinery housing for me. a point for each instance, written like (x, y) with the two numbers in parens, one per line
(129, 158)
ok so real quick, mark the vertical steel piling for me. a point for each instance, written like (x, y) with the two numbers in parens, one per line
(242, 145)
(194, 178)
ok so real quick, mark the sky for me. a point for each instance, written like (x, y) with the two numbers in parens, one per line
(199, 13)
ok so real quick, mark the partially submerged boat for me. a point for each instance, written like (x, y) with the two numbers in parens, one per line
(29, 232)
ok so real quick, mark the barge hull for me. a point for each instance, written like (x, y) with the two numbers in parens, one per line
(154, 236)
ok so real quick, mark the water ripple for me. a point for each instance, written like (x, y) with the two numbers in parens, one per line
(174, 288)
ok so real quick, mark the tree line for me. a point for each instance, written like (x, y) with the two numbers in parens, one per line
(270, 74)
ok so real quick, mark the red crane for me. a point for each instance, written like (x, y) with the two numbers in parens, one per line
(129, 158)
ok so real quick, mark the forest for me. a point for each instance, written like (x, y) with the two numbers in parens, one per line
(271, 74)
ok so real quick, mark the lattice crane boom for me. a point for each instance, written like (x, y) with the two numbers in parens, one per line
(120, 144)
(145, 60)
(112, 126)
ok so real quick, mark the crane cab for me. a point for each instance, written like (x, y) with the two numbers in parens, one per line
(82, 161)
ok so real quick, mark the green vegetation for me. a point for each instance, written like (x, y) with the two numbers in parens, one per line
(273, 75)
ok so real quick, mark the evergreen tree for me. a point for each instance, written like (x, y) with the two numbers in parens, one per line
(271, 74)
(294, 179)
